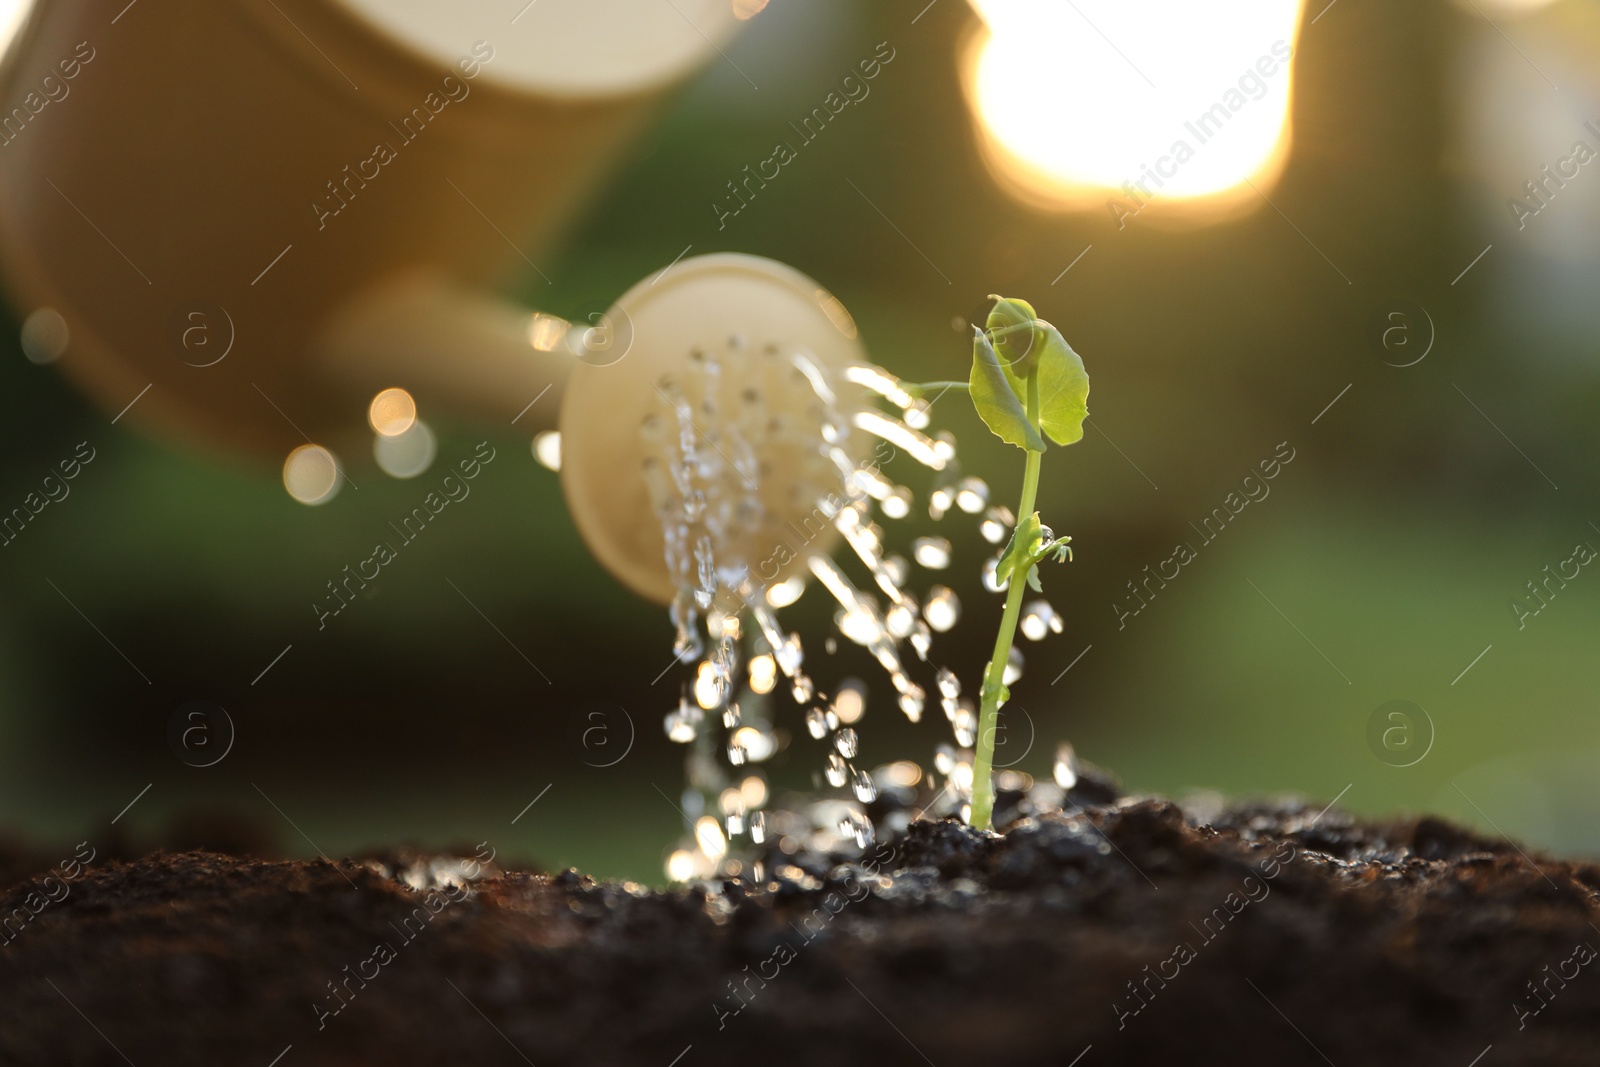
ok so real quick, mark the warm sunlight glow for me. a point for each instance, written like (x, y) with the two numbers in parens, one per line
(1102, 103)
(12, 12)
(1504, 7)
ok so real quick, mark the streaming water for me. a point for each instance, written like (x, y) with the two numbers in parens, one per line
(740, 441)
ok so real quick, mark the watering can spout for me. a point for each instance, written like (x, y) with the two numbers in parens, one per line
(454, 349)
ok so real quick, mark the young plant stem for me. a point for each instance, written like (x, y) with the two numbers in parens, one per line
(993, 683)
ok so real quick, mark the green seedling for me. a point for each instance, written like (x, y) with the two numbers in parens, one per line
(1027, 385)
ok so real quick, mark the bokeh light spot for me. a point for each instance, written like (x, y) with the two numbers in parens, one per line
(311, 474)
(392, 412)
(44, 336)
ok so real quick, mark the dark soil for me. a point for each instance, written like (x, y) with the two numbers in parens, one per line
(1125, 934)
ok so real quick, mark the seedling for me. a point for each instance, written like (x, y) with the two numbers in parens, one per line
(1027, 384)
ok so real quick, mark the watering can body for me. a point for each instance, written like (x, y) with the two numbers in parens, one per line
(202, 189)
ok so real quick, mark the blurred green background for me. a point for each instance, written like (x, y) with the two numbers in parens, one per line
(1384, 561)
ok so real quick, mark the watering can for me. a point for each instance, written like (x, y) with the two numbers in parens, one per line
(237, 221)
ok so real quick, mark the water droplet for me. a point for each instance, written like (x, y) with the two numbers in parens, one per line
(681, 866)
(850, 703)
(912, 701)
(709, 687)
(685, 618)
(816, 723)
(857, 827)
(901, 620)
(730, 715)
(836, 772)
(939, 501)
(758, 827)
(721, 624)
(846, 742)
(971, 495)
(991, 579)
(1066, 766)
(708, 833)
(679, 729)
(754, 791)
(786, 592)
(763, 674)
(1039, 620)
(858, 626)
(863, 786)
(705, 563)
(757, 745)
(997, 525)
(897, 505)
(912, 442)
(965, 724)
(932, 552)
(944, 758)
(943, 608)
(949, 684)
(1013, 669)
(897, 570)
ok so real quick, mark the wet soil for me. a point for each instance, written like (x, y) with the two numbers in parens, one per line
(1123, 932)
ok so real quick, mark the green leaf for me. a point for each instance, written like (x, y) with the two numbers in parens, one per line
(1063, 386)
(998, 403)
(1016, 341)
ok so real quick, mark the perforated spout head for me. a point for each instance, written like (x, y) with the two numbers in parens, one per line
(706, 422)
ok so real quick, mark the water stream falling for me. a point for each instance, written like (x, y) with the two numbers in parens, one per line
(735, 437)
